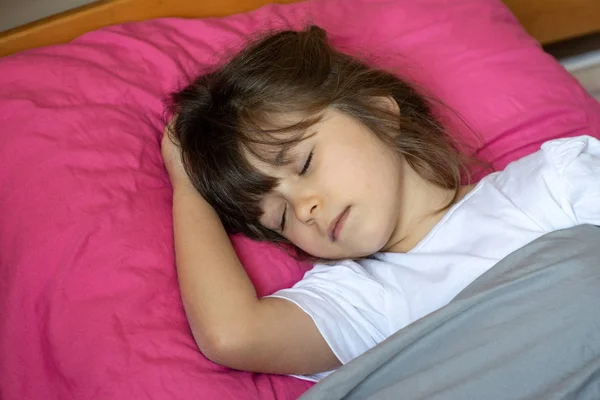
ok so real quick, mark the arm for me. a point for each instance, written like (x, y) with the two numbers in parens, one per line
(230, 324)
(576, 162)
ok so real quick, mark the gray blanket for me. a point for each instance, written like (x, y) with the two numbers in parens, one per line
(527, 329)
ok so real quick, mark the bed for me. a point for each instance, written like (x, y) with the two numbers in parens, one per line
(547, 21)
(89, 303)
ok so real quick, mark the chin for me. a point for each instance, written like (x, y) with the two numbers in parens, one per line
(367, 248)
(374, 240)
(365, 244)
(345, 254)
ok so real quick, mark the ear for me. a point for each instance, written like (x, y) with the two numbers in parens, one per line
(388, 104)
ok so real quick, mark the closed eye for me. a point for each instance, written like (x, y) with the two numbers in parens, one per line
(304, 169)
(282, 225)
(307, 164)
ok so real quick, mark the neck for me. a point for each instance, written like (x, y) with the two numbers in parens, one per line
(420, 211)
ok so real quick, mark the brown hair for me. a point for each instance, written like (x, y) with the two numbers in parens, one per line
(230, 111)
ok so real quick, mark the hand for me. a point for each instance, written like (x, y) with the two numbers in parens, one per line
(171, 154)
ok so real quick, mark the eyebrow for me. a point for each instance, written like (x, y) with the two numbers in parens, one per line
(280, 159)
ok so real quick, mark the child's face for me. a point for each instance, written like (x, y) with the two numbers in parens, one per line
(352, 177)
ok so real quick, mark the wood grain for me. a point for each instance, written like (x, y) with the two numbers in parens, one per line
(547, 20)
(66, 26)
(553, 20)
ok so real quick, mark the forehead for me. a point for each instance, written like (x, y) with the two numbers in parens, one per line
(274, 144)
(273, 160)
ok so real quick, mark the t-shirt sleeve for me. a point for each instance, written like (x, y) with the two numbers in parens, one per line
(348, 306)
(577, 164)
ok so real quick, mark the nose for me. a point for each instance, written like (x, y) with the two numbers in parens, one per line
(307, 208)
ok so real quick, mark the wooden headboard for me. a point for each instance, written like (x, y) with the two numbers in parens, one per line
(550, 21)
(547, 20)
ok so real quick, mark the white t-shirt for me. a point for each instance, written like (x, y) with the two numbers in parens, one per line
(358, 304)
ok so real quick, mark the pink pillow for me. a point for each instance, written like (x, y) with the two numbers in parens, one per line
(89, 303)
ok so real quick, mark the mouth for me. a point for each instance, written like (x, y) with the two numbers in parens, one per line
(337, 224)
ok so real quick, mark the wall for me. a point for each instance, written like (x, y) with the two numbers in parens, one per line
(18, 12)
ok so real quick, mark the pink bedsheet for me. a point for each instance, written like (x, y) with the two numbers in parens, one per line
(89, 303)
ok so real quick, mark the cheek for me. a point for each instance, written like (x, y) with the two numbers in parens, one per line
(364, 162)
(345, 171)
(361, 179)
(314, 244)
(302, 237)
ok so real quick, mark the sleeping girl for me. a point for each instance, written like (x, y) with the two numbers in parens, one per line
(294, 142)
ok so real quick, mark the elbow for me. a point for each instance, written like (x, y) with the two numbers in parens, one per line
(226, 347)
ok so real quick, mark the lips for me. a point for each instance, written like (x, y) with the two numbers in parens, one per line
(337, 224)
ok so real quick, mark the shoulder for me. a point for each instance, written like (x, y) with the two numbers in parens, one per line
(562, 153)
(557, 186)
(550, 162)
